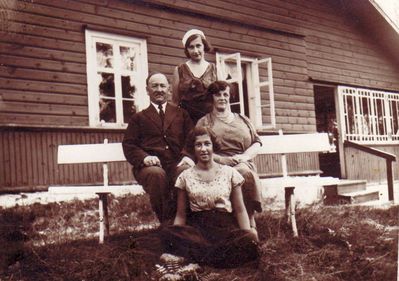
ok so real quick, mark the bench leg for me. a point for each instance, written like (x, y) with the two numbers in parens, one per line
(290, 209)
(103, 214)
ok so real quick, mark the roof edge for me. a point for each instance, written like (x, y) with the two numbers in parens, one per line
(385, 15)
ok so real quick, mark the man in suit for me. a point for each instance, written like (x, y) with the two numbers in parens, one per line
(153, 144)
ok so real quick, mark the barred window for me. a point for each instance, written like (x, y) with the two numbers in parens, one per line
(370, 116)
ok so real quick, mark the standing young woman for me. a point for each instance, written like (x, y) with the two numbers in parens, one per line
(211, 225)
(192, 78)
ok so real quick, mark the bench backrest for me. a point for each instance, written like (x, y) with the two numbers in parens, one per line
(113, 152)
(298, 143)
(90, 153)
(282, 144)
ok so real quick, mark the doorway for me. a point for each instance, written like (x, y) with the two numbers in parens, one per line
(326, 122)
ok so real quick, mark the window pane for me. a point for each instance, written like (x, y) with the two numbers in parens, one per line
(395, 117)
(128, 94)
(107, 110)
(381, 125)
(105, 55)
(106, 85)
(128, 110)
(128, 57)
(350, 114)
(234, 98)
(231, 71)
(265, 105)
(128, 87)
(366, 120)
(106, 89)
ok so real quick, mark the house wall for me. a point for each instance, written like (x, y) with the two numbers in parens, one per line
(44, 57)
(43, 64)
(338, 49)
(29, 160)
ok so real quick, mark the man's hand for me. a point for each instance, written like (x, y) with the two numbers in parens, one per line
(225, 160)
(241, 158)
(152, 161)
(186, 160)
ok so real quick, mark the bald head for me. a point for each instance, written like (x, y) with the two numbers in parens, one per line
(157, 88)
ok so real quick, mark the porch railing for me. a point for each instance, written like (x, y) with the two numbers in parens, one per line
(389, 158)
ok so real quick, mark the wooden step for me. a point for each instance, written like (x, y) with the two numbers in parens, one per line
(344, 186)
(352, 198)
(351, 186)
(362, 196)
(349, 192)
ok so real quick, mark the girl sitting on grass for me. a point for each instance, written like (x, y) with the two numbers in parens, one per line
(211, 224)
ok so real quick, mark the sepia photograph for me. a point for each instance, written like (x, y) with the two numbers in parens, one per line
(187, 140)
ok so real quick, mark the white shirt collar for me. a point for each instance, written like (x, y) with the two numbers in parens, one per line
(156, 106)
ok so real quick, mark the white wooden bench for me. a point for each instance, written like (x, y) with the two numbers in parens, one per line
(297, 143)
(113, 152)
(95, 153)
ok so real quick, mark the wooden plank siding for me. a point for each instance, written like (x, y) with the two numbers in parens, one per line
(43, 69)
(329, 39)
(297, 164)
(29, 160)
(164, 49)
(361, 165)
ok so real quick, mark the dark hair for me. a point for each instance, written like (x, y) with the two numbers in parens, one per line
(207, 45)
(216, 87)
(154, 73)
(200, 131)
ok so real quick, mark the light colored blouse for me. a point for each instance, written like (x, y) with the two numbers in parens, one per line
(213, 194)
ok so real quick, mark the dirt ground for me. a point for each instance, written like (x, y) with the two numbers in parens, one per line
(59, 241)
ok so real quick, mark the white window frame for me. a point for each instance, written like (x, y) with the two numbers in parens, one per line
(254, 86)
(363, 123)
(141, 98)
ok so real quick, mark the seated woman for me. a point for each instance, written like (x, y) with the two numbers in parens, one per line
(239, 143)
(211, 225)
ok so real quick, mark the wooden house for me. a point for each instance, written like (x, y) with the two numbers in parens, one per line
(73, 71)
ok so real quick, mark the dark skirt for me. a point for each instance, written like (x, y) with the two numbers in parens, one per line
(211, 237)
(251, 189)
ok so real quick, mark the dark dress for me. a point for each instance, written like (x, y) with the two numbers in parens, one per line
(211, 234)
(192, 90)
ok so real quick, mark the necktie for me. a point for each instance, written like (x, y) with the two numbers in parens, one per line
(161, 113)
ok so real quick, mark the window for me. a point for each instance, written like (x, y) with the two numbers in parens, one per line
(370, 116)
(116, 72)
(252, 87)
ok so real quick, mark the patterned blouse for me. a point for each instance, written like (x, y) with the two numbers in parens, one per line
(213, 194)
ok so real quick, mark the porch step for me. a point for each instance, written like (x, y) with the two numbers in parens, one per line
(345, 186)
(361, 196)
(348, 192)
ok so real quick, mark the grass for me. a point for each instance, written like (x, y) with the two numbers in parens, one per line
(59, 242)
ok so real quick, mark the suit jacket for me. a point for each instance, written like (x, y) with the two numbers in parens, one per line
(146, 136)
